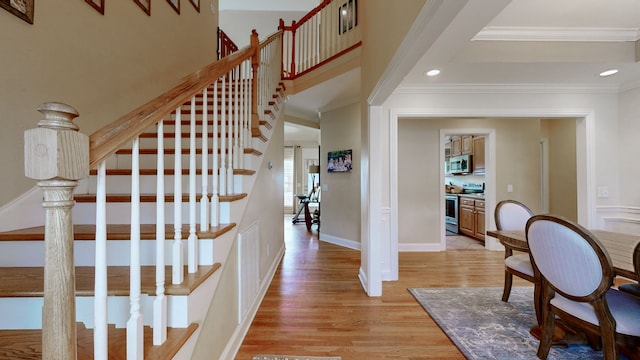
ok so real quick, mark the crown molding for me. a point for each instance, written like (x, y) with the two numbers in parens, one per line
(507, 89)
(513, 33)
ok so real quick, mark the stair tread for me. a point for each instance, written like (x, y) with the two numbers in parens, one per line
(29, 281)
(27, 344)
(115, 232)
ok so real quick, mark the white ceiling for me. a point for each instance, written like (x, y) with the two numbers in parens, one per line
(519, 42)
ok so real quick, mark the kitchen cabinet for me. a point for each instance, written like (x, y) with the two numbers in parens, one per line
(478, 155)
(456, 146)
(467, 144)
(471, 217)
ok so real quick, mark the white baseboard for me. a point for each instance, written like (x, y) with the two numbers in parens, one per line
(350, 244)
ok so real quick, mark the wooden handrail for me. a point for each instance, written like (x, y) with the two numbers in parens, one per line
(110, 138)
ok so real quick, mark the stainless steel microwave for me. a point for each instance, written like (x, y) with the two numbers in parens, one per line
(460, 164)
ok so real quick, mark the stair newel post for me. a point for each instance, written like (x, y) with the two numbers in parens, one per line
(255, 65)
(204, 197)
(176, 266)
(192, 240)
(57, 155)
(215, 211)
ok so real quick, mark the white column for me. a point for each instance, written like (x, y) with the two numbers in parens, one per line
(100, 331)
(192, 241)
(176, 266)
(160, 302)
(215, 209)
(204, 196)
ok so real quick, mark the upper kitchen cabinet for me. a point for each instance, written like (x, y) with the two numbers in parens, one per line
(456, 146)
(467, 145)
(478, 155)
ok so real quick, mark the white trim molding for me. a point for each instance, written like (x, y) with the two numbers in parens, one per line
(584, 34)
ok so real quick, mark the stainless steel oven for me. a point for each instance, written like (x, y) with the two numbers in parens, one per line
(451, 212)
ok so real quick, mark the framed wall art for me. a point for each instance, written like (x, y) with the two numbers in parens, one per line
(196, 4)
(145, 5)
(20, 8)
(339, 161)
(97, 4)
(175, 4)
(347, 16)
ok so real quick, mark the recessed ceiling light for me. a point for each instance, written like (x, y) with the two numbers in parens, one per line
(433, 72)
(609, 72)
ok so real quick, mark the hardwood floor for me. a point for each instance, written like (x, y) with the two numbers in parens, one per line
(316, 306)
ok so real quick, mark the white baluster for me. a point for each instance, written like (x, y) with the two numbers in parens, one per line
(249, 103)
(160, 302)
(229, 178)
(100, 331)
(236, 125)
(177, 271)
(192, 241)
(223, 119)
(204, 198)
(215, 211)
(135, 336)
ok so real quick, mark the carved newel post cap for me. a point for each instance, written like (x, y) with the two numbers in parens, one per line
(56, 150)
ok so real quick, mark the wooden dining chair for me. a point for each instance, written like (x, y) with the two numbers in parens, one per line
(633, 288)
(576, 279)
(513, 215)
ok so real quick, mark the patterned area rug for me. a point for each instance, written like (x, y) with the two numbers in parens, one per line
(484, 327)
(292, 357)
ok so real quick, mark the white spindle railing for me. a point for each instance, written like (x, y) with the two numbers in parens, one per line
(325, 32)
(192, 241)
(176, 265)
(215, 200)
(231, 134)
(222, 171)
(135, 325)
(160, 302)
(100, 331)
(204, 196)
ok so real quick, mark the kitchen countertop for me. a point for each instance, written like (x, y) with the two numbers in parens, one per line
(473, 195)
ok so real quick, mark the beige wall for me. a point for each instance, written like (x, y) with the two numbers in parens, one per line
(384, 27)
(340, 204)
(239, 23)
(419, 162)
(104, 66)
(562, 167)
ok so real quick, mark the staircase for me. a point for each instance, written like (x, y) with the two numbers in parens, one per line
(149, 241)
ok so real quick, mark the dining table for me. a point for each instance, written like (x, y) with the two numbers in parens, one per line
(620, 247)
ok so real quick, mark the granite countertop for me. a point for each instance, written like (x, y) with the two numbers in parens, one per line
(474, 195)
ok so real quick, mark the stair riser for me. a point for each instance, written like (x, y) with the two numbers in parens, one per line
(26, 313)
(31, 253)
(149, 161)
(121, 184)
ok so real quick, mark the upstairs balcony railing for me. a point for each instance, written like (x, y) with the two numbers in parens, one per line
(325, 33)
(226, 46)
